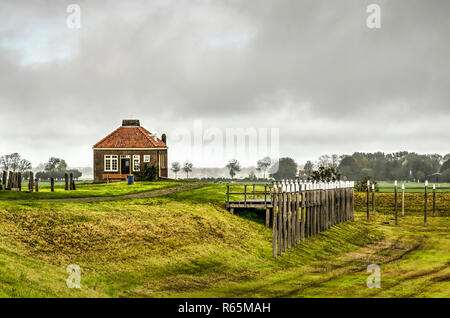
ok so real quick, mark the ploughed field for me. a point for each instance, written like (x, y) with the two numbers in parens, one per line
(186, 244)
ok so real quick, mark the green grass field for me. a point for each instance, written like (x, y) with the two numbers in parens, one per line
(187, 245)
(87, 190)
(409, 187)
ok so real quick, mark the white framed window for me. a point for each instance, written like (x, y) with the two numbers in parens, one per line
(146, 158)
(136, 162)
(111, 163)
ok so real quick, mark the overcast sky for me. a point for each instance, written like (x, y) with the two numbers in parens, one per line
(312, 69)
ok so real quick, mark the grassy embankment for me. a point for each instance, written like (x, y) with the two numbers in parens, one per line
(188, 245)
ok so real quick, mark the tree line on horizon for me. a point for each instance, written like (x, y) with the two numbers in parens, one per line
(407, 166)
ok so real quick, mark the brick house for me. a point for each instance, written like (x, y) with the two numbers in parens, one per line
(128, 148)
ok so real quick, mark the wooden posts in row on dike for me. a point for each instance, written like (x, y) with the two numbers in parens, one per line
(69, 182)
(403, 200)
(13, 181)
(301, 210)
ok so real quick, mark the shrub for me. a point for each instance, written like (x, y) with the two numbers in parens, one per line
(361, 186)
(148, 173)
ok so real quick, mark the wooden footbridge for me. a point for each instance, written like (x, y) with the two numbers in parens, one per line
(297, 210)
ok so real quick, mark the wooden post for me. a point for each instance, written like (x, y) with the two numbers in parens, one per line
(66, 182)
(265, 195)
(297, 213)
(352, 193)
(284, 221)
(302, 213)
(434, 200)
(4, 179)
(245, 195)
(403, 199)
(253, 190)
(71, 181)
(288, 216)
(426, 202)
(368, 193)
(37, 185)
(373, 198)
(313, 210)
(19, 181)
(396, 201)
(267, 217)
(274, 224)
(332, 185)
(52, 184)
(280, 220)
(316, 209)
(228, 196)
(342, 202)
(321, 209)
(30, 182)
(308, 210)
(327, 205)
(9, 180)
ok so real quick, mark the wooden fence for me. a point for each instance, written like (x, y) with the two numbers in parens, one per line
(14, 182)
(371, 188)
(301, 210)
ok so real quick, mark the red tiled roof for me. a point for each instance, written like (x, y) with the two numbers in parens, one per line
(130, 137)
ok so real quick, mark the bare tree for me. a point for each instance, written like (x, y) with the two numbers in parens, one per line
(187, 167)
(176, 167)
(233, 167)
(14, 162)
(263, 165)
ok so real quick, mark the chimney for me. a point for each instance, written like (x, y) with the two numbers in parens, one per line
(130, 123)
(163, 138)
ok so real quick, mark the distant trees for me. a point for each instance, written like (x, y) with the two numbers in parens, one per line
(325, 174)
(285, 168)
(57, 168)
(14, 162)
(233, 167)
(308, 168)
(187, 167)
(252, 176)
(55, 164)
(395, 166)
(176, 167)
(445, 176)
(263, 165)
(445, 165)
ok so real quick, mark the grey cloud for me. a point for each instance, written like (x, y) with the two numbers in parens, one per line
(288, 64)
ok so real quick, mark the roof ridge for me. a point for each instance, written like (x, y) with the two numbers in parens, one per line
(131, 137)
(146, 134)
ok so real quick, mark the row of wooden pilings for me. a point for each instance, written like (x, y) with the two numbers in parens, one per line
(13, 181)
(301, 210)
(371, 186)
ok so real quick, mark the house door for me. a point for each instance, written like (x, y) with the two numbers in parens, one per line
(125, 165)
